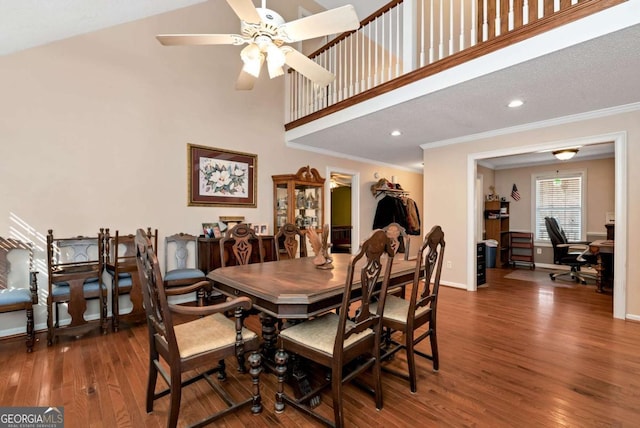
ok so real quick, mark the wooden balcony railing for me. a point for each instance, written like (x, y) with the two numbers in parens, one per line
(409, 40)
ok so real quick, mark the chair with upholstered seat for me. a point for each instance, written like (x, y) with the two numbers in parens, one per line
(198, 346)
(75, 267)
(180, 259)
(347, 346)
(18, 282)
(572, 254)
(241, 246)
(120, 255)
(288, 240)
(405, 317)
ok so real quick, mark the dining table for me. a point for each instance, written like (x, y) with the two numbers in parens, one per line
(295, 289)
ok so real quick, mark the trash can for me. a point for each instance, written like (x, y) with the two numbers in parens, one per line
(492, 248)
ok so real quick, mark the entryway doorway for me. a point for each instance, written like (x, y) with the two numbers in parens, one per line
(342, 209)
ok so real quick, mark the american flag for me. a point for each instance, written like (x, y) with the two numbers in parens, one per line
(514, 192)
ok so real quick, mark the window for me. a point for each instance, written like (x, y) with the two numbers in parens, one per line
(560, 196)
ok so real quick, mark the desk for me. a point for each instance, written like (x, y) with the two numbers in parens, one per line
(295, 289)
(604, 267)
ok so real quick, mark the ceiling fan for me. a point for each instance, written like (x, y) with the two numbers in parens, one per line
(265, 32)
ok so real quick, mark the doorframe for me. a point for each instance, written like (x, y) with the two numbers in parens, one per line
(355, 202)
(620, 260)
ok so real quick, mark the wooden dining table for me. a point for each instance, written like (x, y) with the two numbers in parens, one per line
(296, 290)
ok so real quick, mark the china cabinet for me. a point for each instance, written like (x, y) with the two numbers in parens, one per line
(299, 199)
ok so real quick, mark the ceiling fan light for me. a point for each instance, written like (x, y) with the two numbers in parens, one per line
(274, 71)
(253, 59)
(564, 154)
(252, 67)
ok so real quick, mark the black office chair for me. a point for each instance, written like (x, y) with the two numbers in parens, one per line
(572, 254)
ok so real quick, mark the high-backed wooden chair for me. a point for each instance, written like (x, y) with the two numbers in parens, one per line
(245, 248)
(419, 312)
(180, 259)
(193, 345)
(336, 341)
(288, 240)
(18, 281)
(120, 255)
(75, 275)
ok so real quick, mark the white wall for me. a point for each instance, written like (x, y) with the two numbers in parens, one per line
(95, 128)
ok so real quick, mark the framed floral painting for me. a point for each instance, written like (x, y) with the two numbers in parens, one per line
(221, 177)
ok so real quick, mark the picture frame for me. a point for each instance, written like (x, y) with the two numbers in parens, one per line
(230, 221)
(211, 230)
(264, 229)
(219, 177)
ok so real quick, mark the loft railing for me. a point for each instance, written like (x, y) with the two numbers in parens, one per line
(408, 40)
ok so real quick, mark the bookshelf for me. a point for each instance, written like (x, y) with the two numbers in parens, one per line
(496, 222)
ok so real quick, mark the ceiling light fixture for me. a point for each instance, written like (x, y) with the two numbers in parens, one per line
(564, 154)
(515, 103)
(396, 133)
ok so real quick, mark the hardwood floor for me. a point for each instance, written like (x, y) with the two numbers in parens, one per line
(516, 353)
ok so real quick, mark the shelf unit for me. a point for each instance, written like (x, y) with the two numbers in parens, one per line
(481, 264)
(496, 215)
(299, 199)
(521, 249)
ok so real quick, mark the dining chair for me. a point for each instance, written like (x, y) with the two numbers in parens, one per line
(180, 260)
(242, 239)
(193, 346)
(75, 267)
(120, 256)
(406, 317)
(288, 240)
(18, 282)
(334, 340)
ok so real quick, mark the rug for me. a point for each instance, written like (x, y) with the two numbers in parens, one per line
(541, 276)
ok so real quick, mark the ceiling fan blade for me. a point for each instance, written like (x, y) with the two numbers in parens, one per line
(200, 39)
(332, 21)
(245, 10)
(245, 81)
(308, 68)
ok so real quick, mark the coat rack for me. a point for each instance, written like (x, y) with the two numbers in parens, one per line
(385, 187)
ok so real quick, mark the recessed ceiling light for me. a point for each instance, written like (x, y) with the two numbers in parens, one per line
(396, 133)
(515, 103)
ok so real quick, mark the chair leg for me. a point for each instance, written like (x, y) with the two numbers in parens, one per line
(336, 392)
(151, 383)
(434, 348)
(411, 362)
(115, 307)
(104, 314)
(49, 322)
(222, 370)
(30, 332)
(377, 378)
(176, 395)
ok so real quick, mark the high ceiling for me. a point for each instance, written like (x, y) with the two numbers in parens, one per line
(598, 74)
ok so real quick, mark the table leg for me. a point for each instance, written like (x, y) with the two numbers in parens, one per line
(298, 369)
(599, 268)
(269, 336)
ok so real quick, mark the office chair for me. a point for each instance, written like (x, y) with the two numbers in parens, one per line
(572, 254)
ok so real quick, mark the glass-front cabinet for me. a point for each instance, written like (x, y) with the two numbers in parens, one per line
(298, 199)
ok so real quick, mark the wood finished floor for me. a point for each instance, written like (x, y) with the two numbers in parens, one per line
(514, 354)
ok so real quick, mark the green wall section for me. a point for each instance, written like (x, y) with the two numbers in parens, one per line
(341, 206)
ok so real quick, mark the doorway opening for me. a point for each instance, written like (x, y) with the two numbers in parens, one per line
(342, 209)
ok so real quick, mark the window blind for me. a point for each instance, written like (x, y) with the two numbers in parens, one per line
(562, 198)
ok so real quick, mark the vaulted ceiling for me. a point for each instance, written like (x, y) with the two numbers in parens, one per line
(600, 73)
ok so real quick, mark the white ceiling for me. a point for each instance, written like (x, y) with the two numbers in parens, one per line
(598, 74)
